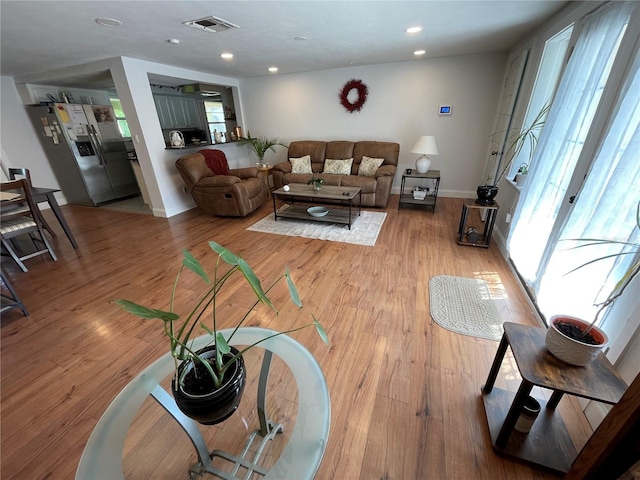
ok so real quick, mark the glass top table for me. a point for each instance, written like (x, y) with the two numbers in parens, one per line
(301, 456)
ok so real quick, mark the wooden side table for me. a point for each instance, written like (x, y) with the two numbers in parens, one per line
(264, 173)
(430, 200)
(477, 239)
(548, 444)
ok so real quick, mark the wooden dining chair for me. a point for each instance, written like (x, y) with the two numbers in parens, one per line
(20, 216)
(17, 174)
(11, 300)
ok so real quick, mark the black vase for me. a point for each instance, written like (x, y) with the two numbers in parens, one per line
(486, 194)
(199, 399)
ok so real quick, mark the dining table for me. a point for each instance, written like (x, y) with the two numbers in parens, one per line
(41, 195)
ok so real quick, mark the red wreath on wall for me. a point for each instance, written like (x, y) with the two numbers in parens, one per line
(362, 90)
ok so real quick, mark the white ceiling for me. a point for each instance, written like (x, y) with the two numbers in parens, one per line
(42, 36)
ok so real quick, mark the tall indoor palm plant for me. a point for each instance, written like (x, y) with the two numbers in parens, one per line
(260, 145)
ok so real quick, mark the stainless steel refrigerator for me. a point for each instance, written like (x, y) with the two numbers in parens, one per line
(86, 151)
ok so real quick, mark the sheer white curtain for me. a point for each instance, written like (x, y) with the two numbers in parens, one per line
(562, 139)
(605, 207)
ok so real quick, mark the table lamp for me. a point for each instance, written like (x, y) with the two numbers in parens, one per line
(426, 145)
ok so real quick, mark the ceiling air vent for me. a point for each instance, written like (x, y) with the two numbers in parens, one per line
(211, 24)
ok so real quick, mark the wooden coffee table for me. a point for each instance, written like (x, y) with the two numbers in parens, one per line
(340, 201)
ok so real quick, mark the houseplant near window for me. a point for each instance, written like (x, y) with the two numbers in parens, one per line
(260, 145)
(576, 341)
(527, 136)
(208, 383)
(523, 171)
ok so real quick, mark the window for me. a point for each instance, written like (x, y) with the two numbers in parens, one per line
(575, 138)
(605, 207)
(123, 126)
(215, 117)
(547, 77)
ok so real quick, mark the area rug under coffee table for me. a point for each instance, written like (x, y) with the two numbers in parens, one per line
(464, 305)
(364, 231)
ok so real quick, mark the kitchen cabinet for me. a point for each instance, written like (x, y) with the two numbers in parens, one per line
(190, 110)
(164, 111)
(39, 93)
(177, 112)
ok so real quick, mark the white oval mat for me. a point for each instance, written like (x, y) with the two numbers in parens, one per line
(464, 305)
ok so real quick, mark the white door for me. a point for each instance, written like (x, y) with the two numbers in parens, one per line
(505, 119)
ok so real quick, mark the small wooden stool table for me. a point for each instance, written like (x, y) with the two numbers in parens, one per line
(481, 240)
(547, 444)
(264, 173)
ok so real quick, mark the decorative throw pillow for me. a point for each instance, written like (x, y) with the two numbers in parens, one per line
(301, 165)
(368, 166)
(338, 167)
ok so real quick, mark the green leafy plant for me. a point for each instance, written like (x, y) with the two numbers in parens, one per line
(527, 136)
(316, 181)
(180, 331)
(260, 145)
(626, 278)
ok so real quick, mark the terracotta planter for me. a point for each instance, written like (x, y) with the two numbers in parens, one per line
(573, 352)
(215, 406)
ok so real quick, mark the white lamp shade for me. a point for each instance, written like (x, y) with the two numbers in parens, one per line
(426, 145)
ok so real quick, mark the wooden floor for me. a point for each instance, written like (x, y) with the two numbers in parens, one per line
(405, 393)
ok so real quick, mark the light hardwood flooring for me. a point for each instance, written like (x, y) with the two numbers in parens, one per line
(405, 393)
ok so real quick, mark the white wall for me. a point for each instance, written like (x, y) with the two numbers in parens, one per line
(131, 79)
(402, 105)
(163, 182)
(20, 147)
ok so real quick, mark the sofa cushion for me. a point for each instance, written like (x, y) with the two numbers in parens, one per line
(301, 164)
(339, 149)
(368, 166)
(338, 167)
(366, 184)
(313, 148)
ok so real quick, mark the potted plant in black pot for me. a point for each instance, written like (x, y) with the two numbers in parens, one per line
(527, 136)
(208, 383)
(576, 341)
(260, 145)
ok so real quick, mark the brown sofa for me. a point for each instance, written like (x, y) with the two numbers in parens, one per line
(234, 195)
(375, 190)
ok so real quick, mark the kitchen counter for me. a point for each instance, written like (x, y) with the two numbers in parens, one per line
(197, 145)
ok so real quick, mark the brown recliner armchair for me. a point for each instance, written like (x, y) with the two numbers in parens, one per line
(232, 192)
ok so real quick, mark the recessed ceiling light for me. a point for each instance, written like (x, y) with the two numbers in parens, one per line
(108, 22)
(413, 29)
(227, 56)
(419, 52)
(173, 41)
(273, 69)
